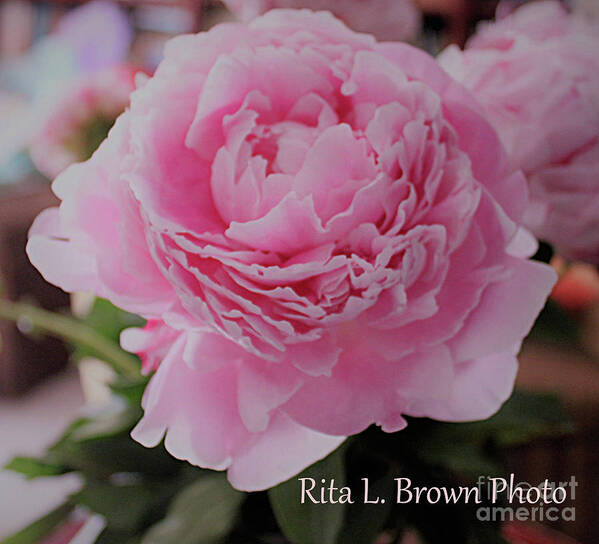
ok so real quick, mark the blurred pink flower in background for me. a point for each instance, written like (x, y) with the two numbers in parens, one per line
(537, 73)
(578, 286)
(98, 33)
(323, 232)
(74, 124)
(88, 38)
(385, 19)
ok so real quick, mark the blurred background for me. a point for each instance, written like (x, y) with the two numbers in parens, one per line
(66, 70)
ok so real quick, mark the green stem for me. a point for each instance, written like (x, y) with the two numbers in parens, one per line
(73, 331)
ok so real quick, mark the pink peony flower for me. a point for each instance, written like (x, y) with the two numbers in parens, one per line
(537, 74)
(322, 232)
(385, 19)
(75, 123)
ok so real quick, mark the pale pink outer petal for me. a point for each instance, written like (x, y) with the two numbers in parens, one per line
(280, 453)
(494, 325)
(198, 415)
(58, 261)
(365, 388)
(478, 390)
(152, 343)
(95, 241)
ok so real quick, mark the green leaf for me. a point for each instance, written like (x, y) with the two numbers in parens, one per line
(129, 502)
(35, 468)
(203, 513)
(42, 527)
(555, 326)
(113, 420)
(460, 453)
(98, 450)
(108, 320)
(130, 390)
(475, 448)
(527, 416)
(364, 522)
(122, 506)
(108, 536)
(53, 462)
(311, 523)
(101, 445)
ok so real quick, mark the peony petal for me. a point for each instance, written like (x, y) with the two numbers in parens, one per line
(192, 408)
(494, 326)
(63, 265)
(480, 387)
(278, 455)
